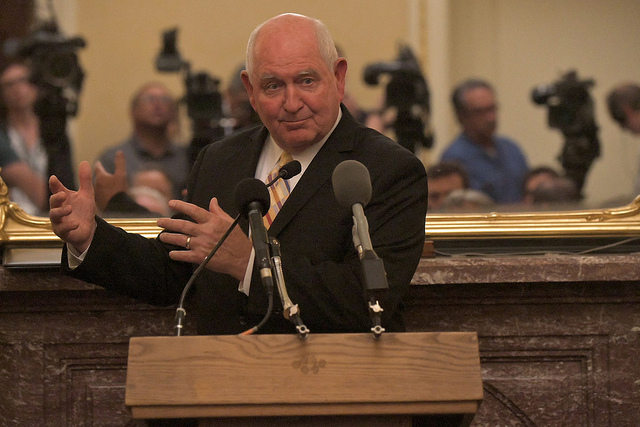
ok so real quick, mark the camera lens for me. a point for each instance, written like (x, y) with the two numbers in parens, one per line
(60, 68)
(542, 93)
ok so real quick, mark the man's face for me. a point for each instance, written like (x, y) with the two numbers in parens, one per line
(18, 93)
(441, 187)
(633, 121)
(292, 89)
(154, 107)
(480, 119)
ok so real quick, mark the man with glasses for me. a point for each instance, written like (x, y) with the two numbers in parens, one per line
(154, 113)
(495, 164)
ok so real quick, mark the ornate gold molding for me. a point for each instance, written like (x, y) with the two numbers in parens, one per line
(618, 222)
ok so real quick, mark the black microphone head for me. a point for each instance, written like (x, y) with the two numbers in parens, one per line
(291, 169)
(351, 183)
(251, 193)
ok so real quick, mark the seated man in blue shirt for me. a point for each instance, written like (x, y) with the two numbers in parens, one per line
(495, 164)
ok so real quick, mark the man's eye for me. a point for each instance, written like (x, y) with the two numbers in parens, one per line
(307, 81)
(271, 86)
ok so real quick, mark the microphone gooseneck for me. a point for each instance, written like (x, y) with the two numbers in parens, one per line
(290, 311)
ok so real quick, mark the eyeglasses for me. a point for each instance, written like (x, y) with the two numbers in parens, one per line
(148, 98)
(483, 110)
(13, 82)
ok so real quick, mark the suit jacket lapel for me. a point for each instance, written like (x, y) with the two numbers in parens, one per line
(239, 168)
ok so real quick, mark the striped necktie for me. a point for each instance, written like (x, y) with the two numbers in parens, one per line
(279, 191)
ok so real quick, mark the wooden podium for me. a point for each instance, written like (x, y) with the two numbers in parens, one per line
(325, 379)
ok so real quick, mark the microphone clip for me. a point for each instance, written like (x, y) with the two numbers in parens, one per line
(290, 311)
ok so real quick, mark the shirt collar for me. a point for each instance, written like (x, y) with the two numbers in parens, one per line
(271, 153)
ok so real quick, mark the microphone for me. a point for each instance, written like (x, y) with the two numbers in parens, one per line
(352, 188)
(253, 201)
(287, 171)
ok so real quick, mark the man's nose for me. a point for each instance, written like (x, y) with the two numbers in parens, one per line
(292, 100)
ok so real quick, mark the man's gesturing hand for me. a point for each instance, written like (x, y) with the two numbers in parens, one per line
(72, 213)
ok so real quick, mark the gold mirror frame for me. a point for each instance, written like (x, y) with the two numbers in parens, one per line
(622, 221)
(18, 227)
(29, 241)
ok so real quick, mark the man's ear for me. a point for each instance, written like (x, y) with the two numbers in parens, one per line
(340, 73)
(248, 86)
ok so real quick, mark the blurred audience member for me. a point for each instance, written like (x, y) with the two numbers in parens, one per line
(624, 106)
(559, 191)
(151, 187)
(545, 186)
(443, 178)
(154, 176)
(147, 195)
(536, 176)
(151, 199)
(466, 200)
(23, 157)
(495, 164)
(153, 112)
(237, 106)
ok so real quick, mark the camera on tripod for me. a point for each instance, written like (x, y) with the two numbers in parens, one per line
(408, 94)
(571, 110)
(203, 98)
(570, 105)
(55, 68)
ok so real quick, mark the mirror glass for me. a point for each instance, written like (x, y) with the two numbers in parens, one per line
(516, 46)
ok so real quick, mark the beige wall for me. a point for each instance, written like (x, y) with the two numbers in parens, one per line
(515, 44)
(124, 37)
(518, 44)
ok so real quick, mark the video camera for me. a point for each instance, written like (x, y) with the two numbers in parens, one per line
(57, 73)
(203, 97)
(571, 110)
(55, 68)
(408, 94)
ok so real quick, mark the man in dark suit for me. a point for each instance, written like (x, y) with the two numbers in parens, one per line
(295, 81)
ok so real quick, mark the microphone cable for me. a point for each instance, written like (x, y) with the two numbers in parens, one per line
(180, 311)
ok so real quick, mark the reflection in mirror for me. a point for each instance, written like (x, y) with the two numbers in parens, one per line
(514, 45)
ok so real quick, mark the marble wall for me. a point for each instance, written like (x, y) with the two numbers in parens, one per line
(559, 339)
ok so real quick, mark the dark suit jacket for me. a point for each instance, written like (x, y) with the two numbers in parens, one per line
(321, 267)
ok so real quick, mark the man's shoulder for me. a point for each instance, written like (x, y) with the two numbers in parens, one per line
(508, 144)
(460, 146)
(240, 142)
(381, 154)
(7, 154)
(502, 139)
(244, 136)
(109, 153)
